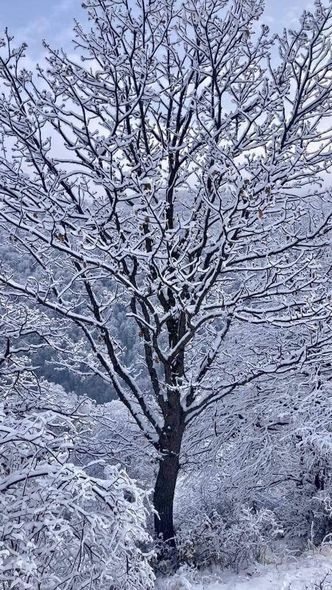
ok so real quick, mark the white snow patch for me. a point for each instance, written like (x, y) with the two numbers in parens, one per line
(312, 571)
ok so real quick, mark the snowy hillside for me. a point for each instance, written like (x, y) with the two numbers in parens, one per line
(311, 572)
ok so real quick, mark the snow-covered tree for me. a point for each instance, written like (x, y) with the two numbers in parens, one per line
(60, 525)
(174, 170)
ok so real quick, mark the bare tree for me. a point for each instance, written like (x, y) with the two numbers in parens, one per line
(176, 169)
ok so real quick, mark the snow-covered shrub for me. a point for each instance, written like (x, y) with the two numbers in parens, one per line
(235, 543)
(270, 448)
(322, 517)
(324, 584)
(59, 526)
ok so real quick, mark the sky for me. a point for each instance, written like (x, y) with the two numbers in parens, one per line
(34, 20)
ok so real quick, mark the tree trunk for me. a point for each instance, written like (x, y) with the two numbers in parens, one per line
(164, 498)
(171, 437)
(164, 492)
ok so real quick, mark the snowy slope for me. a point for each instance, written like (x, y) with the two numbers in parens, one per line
(310, 572)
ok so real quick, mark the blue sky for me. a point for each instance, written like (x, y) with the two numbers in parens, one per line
(34, 20)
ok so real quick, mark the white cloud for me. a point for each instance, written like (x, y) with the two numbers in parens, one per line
(55, 26)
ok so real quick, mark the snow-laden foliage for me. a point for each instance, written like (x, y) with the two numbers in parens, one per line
(276, 456)
(59, 526)
(244, 538)
(173, 171)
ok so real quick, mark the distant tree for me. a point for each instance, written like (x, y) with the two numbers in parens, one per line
(174, 170)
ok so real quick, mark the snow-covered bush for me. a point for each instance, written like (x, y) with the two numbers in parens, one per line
(214, 540)
(61, 527)
(269, 448)
(324, 584)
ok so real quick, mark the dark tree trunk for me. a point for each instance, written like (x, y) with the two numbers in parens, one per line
(171, 437)
(164, 498)
(164, 492)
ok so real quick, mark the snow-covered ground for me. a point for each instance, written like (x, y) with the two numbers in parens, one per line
(312, 571)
